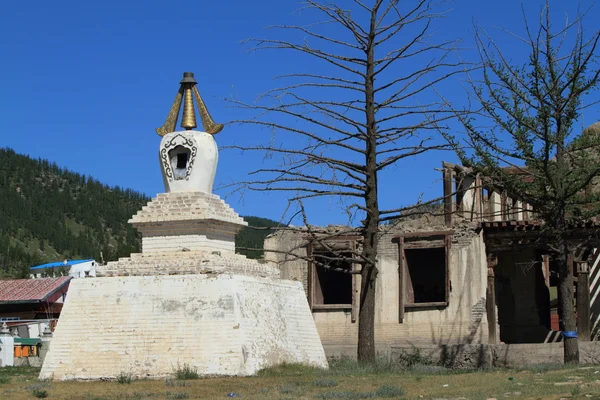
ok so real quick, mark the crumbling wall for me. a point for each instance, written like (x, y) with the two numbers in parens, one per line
(287, 251)
(462, 321)
(499, 355)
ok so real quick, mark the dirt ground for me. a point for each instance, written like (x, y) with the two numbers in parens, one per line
(345, 380)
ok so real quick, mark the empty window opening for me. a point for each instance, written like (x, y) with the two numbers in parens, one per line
(180, 157)
(332, 280)
(426, 275)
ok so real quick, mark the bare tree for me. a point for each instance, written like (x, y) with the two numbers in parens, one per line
(359, 102)
(528, 118)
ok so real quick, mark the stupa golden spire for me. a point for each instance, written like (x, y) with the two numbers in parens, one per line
(187, 91)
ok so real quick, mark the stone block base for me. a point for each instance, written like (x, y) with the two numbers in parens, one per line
(148, 326)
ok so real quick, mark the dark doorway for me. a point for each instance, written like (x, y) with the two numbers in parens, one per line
(522, 297)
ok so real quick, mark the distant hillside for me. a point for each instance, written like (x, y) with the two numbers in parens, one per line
(250, 241)
(50, 214)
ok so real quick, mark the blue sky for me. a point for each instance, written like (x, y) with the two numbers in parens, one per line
(85, 83)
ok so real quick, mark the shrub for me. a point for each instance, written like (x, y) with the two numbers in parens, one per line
(124, 378)
(39, 393)
(186, 372)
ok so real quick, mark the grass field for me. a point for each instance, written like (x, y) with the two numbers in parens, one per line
(345, 380)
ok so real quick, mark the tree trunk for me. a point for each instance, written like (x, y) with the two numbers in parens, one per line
(567, 310)
(366, 317)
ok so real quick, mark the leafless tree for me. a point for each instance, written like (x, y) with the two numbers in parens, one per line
(359, 102)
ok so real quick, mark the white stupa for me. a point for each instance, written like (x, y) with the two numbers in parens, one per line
(187, 299)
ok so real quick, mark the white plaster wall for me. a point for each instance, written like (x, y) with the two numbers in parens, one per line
(468, 200)
(79, 270)
(205, 156)
(7, 351)
(147, 326)
(288, 253)
(462, 321)
(190, 242)
(496, 206)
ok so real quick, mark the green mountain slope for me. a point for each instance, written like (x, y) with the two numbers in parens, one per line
(50, 214)
(250, 240)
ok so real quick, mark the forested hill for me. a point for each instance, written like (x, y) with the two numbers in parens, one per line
(50, 214)
(250, 240)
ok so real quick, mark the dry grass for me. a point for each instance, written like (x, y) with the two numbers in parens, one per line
(345, 380)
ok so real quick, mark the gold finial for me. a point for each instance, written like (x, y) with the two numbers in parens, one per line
(188, 119)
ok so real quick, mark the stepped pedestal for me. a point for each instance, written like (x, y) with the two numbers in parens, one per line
(187, 299)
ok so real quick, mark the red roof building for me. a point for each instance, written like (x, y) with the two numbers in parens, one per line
(32, 298)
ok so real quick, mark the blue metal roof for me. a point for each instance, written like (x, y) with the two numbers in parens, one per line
(61, 264)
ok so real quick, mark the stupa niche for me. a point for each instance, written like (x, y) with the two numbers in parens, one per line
(187, 299)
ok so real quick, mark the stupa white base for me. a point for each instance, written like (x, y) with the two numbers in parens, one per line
(147, 326)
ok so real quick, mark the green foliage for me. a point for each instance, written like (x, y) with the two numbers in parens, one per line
(249, 241)
(186, 372)
(39, 393)
(124, 378)
(526, 137)
(49, 213)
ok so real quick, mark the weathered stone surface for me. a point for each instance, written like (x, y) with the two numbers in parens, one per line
(463, 321)
(500, 355)
(185, 263)
(148, 325)
(184, 207)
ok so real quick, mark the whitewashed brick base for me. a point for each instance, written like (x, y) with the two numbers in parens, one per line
(185, 263)
(186, 299)
(147, 326)
(188, 242)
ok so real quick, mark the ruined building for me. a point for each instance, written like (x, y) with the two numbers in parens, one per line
(474, 272)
